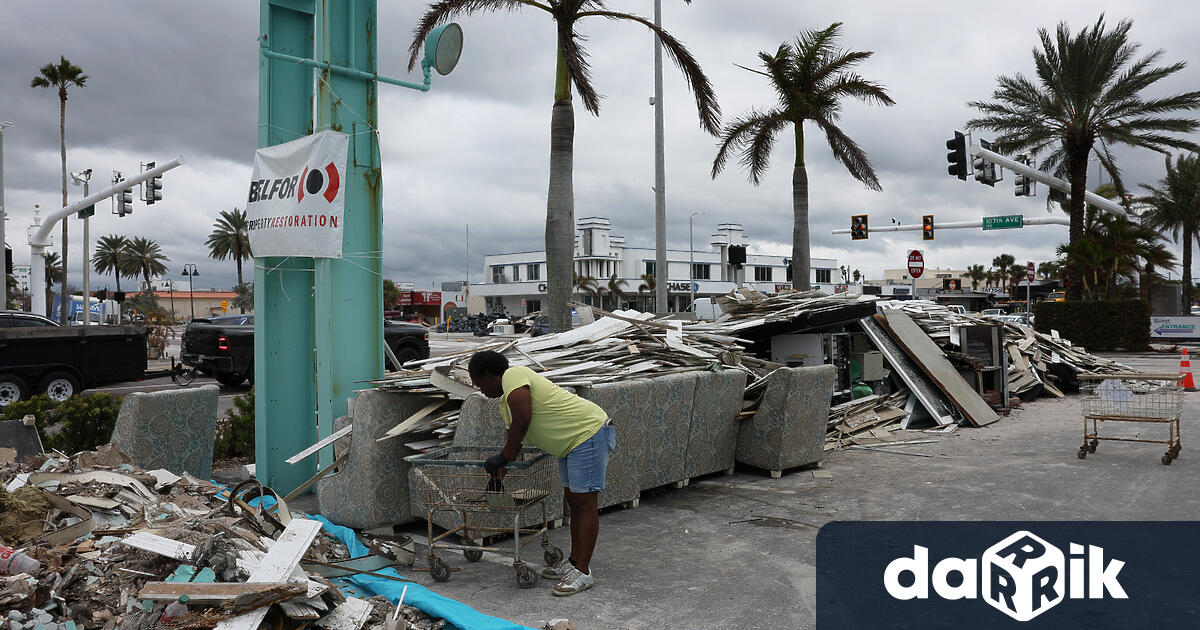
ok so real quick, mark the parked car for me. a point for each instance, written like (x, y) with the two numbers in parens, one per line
(957, 309)
(992, 312)
(224, 345)
(21, 319)
(1056, 296)
(1025, 319)
(541, 325)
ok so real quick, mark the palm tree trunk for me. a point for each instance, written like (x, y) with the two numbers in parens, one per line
(560, 204)
(238, 260)
(62, 150)
(1188, 235)
(1077, 165)
(801, 258)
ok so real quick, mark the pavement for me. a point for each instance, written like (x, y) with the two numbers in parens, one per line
(739, 551)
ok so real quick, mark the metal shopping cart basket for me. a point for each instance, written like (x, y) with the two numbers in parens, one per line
(453, 480)
(1137, 398)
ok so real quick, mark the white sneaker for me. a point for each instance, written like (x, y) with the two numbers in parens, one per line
(558, 571)
(575, 581)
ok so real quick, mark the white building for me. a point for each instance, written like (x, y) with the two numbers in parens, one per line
(515, 283)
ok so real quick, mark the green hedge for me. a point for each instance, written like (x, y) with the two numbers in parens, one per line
(83, 422)
(1099, 325)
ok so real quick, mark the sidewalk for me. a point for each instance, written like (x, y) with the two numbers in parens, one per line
(738, 552)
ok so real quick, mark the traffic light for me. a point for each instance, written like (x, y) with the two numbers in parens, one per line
(101, 295)
(957, 157)
(985, 171)
(125, 202)
(118, 296)
(1022, 185)
(153, 187)
(737, 255)
(858, 227)
(927, 227)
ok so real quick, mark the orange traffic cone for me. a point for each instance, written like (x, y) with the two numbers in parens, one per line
(1185, 368)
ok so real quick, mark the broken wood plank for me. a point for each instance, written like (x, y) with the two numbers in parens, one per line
(160, 545)
(350, 615)
(281, 560)
(219, 592)
(326, 441)
(317, 477)
(403, 427)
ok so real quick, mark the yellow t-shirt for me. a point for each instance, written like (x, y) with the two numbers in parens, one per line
(561, 420)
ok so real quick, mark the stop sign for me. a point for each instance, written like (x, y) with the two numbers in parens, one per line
(916, 264)
(1029, 271)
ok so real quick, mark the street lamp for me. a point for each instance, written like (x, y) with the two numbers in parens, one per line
(189, 270)
(692, 258)
(81, 179)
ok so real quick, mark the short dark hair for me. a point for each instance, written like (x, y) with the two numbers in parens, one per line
(487, 363)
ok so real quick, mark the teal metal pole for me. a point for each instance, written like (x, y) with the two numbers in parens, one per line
(285, 392)
(349, 290)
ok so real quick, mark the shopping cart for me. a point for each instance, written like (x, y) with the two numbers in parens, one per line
(1138, 398)
(453, 480)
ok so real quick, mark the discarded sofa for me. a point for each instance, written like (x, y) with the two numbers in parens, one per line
(371, 489)
(788, 430)
(173, 429)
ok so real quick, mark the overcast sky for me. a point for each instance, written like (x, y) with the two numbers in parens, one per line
(181, 78)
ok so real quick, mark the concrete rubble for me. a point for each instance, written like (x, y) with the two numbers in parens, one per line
(117, 544)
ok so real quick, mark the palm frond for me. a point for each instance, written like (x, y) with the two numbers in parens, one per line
(847, 151)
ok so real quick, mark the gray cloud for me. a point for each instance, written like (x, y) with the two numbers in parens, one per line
(181, 78)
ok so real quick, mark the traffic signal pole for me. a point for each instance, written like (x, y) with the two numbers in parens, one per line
(1060, 185)
(41, 235)
(962, 225)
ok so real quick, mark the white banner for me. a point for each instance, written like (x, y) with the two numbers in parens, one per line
(297, 197)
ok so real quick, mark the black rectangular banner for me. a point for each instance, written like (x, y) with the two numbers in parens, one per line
(1008, 574)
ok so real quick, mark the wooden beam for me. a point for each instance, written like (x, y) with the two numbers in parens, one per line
(278, 564)
(404, 427)
(220, 592)
(330, 439)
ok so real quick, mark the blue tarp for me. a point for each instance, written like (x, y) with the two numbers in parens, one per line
(459, 615)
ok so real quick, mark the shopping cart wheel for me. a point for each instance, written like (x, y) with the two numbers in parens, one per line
(1092, 446)
(439, 570)
(1175, 450)
(552, 555)
(1083, 451)
(1166, 459)
(526, 577)
(472, 555)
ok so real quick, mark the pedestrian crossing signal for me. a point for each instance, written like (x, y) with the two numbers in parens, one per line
(927, 227)
(858, 227)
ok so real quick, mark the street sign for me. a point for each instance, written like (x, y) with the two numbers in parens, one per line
(89, 211)
(916, 264)
(224, 305)
(1003, 222)
(1029, 275)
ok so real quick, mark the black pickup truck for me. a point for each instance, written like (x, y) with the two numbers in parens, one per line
(224, 345)
(36, 355)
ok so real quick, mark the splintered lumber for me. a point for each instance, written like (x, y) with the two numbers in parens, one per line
(162, 546)
(279, 563)
(330, 439)
(403, 427)
(350, 615)
(220, 592)
(933, 362)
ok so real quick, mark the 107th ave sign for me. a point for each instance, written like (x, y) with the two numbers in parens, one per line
(1003, 222)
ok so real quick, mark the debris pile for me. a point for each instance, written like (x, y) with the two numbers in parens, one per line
(93, 541)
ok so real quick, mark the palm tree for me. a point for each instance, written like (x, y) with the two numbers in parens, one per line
(111, 251)
(584, 284)
(812, 78)
(572, 69)
(145, 258)
(1049, 269)
(1087, 92)
(230, 238)
(1174, 207)
(857, 275)
(54, 274)
(647, 285)
(1016, 272)
(976, 274)
(1002, 264)
(616, 289)
(61, 76)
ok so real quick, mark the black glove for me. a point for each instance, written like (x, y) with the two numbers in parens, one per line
(495, 463)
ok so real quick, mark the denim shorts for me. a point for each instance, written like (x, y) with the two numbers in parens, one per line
(583, 469)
